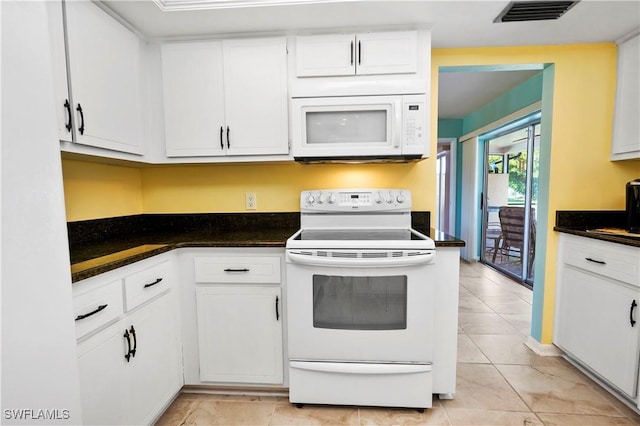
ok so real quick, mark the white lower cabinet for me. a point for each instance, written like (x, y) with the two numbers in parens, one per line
(240, 333)
(596, 321)
(233, 317)
(132, 368)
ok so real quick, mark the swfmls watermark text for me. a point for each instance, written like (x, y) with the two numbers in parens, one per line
(36, 414)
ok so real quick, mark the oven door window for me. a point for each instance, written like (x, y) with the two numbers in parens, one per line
(360, 303)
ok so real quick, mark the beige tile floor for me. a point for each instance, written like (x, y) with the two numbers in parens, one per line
(499, 380)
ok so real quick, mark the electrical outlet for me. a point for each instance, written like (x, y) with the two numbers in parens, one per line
(251, 201)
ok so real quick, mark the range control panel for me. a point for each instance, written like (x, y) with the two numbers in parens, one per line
(337, 200)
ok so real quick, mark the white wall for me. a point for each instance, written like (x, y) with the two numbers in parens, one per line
(39, 363)
(469, 203)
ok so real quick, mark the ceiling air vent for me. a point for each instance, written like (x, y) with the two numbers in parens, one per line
(534, 10)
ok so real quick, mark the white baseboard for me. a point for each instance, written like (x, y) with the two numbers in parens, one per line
(542, 350)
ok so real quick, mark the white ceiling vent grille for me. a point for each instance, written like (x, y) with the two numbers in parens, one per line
(517, 11)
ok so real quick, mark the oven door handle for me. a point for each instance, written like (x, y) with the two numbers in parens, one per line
(384, 262)
(360, 368)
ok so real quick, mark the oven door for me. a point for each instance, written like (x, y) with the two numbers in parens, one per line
(360, 309)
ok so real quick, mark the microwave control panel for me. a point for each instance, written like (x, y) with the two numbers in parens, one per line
(414, 116)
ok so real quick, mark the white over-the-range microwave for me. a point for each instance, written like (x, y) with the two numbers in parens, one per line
(359, 128)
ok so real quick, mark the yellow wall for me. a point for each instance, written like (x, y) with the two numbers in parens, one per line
(221, 188)
(94, 191)
(581, 176)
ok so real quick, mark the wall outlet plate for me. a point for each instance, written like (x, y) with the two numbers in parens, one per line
(251, 201)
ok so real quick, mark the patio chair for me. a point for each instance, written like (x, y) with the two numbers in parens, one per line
(512, 225)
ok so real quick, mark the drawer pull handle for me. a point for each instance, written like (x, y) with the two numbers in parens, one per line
(277, 312)
(126, 337)
(633, 307)
(83, 316)
(237, 270)
(221, 143)
(599, 262)
(153, 283)
(132, 332)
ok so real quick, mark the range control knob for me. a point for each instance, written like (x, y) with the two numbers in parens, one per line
(321, 198)
(400, 198)
(332, 198)
(311, 199)
(378, 198)
(390, 198)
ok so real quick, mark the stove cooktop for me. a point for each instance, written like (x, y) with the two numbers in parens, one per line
(360, 238)
(359, 234)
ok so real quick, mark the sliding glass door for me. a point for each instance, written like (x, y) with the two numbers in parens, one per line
(509, 203)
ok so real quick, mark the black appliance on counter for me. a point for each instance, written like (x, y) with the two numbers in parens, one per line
(633, 206)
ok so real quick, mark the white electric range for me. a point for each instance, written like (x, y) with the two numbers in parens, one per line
(360, 301)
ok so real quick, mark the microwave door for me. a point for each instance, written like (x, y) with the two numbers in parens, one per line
(347, 129)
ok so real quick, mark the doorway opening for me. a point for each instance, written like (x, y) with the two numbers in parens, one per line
(510, 198)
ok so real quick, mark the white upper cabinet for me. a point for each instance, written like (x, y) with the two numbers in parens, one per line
(64, 113)
(193, 98)
(357, 54)
(255, 93)
(225, 97)
(104, 71)
(626, 128)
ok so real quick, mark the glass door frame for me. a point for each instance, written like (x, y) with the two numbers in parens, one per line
(530, 122)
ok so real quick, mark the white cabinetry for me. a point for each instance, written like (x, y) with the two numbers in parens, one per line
(626, 130)
(128, 353)
(240, 333)
(239, 305)
(375, 63)
(361, 54)
(102, 66)
(597, 293)
(233, 316)
(225, 97)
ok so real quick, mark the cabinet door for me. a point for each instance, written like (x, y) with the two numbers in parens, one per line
(255, 89)
(325, 55)
(103, 369)
(594, 325)
(192, 76)
(240, 334)
(59, 61)
(626, 131)
(155, 373)
(387, 53)
(104, 59)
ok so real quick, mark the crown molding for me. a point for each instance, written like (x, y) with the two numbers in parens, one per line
(185, 5)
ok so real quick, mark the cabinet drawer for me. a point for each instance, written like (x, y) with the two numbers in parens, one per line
(238, 269)
(143, 285)
(609, 259)
(98, 307)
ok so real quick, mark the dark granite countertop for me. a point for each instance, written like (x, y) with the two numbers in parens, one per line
(589, 223)
(101, 245)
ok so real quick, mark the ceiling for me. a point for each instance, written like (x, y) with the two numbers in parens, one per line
(461, 93)
(453, 23)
